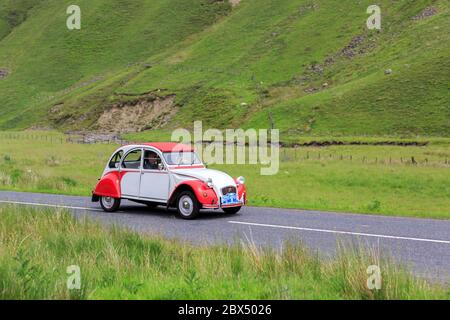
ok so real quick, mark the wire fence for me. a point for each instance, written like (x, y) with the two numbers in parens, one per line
(296, 155)
(287, 154)
(67, 138)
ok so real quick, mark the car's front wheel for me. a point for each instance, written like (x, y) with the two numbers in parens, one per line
(110, 204)
(233, 210)
(188, 206)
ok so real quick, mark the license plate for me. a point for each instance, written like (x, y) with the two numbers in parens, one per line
(230, 198)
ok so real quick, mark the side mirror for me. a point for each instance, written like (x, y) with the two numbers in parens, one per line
(161, 167)
(116, 165)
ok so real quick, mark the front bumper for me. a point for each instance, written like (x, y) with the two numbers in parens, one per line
(216, 207)
(242, 202)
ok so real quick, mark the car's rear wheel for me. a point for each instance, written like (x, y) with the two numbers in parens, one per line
(233, 210)
(110, 204)
(188, 206)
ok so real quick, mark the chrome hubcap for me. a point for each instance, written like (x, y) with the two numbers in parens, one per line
(108, 202)
(186, 205)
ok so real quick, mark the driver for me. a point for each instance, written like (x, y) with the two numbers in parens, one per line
(150, 161)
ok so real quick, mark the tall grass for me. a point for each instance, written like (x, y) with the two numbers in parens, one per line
(37, 246)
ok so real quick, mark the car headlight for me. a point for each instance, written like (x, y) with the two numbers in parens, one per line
(209, 183)
(240, 180)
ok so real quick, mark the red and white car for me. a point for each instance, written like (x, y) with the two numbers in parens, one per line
(168, 174)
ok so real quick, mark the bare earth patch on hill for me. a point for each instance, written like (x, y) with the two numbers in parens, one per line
(234, 2)
(137, 115)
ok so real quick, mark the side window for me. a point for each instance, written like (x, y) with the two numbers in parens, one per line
(132, 160)
(116, 160)
(151, 160)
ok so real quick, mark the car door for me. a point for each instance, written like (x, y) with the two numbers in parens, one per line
(130, 172)
(154, 178)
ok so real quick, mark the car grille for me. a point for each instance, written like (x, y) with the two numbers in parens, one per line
(228, 190)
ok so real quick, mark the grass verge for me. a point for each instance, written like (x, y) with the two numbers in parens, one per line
(37, 246)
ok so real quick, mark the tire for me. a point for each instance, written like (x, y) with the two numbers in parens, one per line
(109, 204)
(187, 206)
(233, 210)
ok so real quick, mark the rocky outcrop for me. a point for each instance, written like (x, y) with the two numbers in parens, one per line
(3, 73)
(426, 13)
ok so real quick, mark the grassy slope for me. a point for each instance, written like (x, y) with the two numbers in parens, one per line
(118, 264)
(13, 13)
(255, 55)
(45, 58)
(360, 100)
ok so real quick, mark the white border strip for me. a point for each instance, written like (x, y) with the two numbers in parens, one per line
(339, 232)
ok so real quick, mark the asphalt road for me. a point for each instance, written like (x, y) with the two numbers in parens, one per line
(421, 244)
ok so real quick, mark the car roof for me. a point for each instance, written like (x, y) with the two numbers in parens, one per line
(165, 146)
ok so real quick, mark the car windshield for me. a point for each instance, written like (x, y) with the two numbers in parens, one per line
(181, 158)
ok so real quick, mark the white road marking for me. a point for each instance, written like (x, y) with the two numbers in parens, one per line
(49, 205)
(248, 224)
(339, 232)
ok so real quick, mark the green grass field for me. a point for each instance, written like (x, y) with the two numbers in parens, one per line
(363, 179)
(39, 245)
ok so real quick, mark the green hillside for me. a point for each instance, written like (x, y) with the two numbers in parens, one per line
(307, 67)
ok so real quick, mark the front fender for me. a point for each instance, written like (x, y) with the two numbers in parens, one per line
(108, 186)
(204, 194)
(242, 193)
